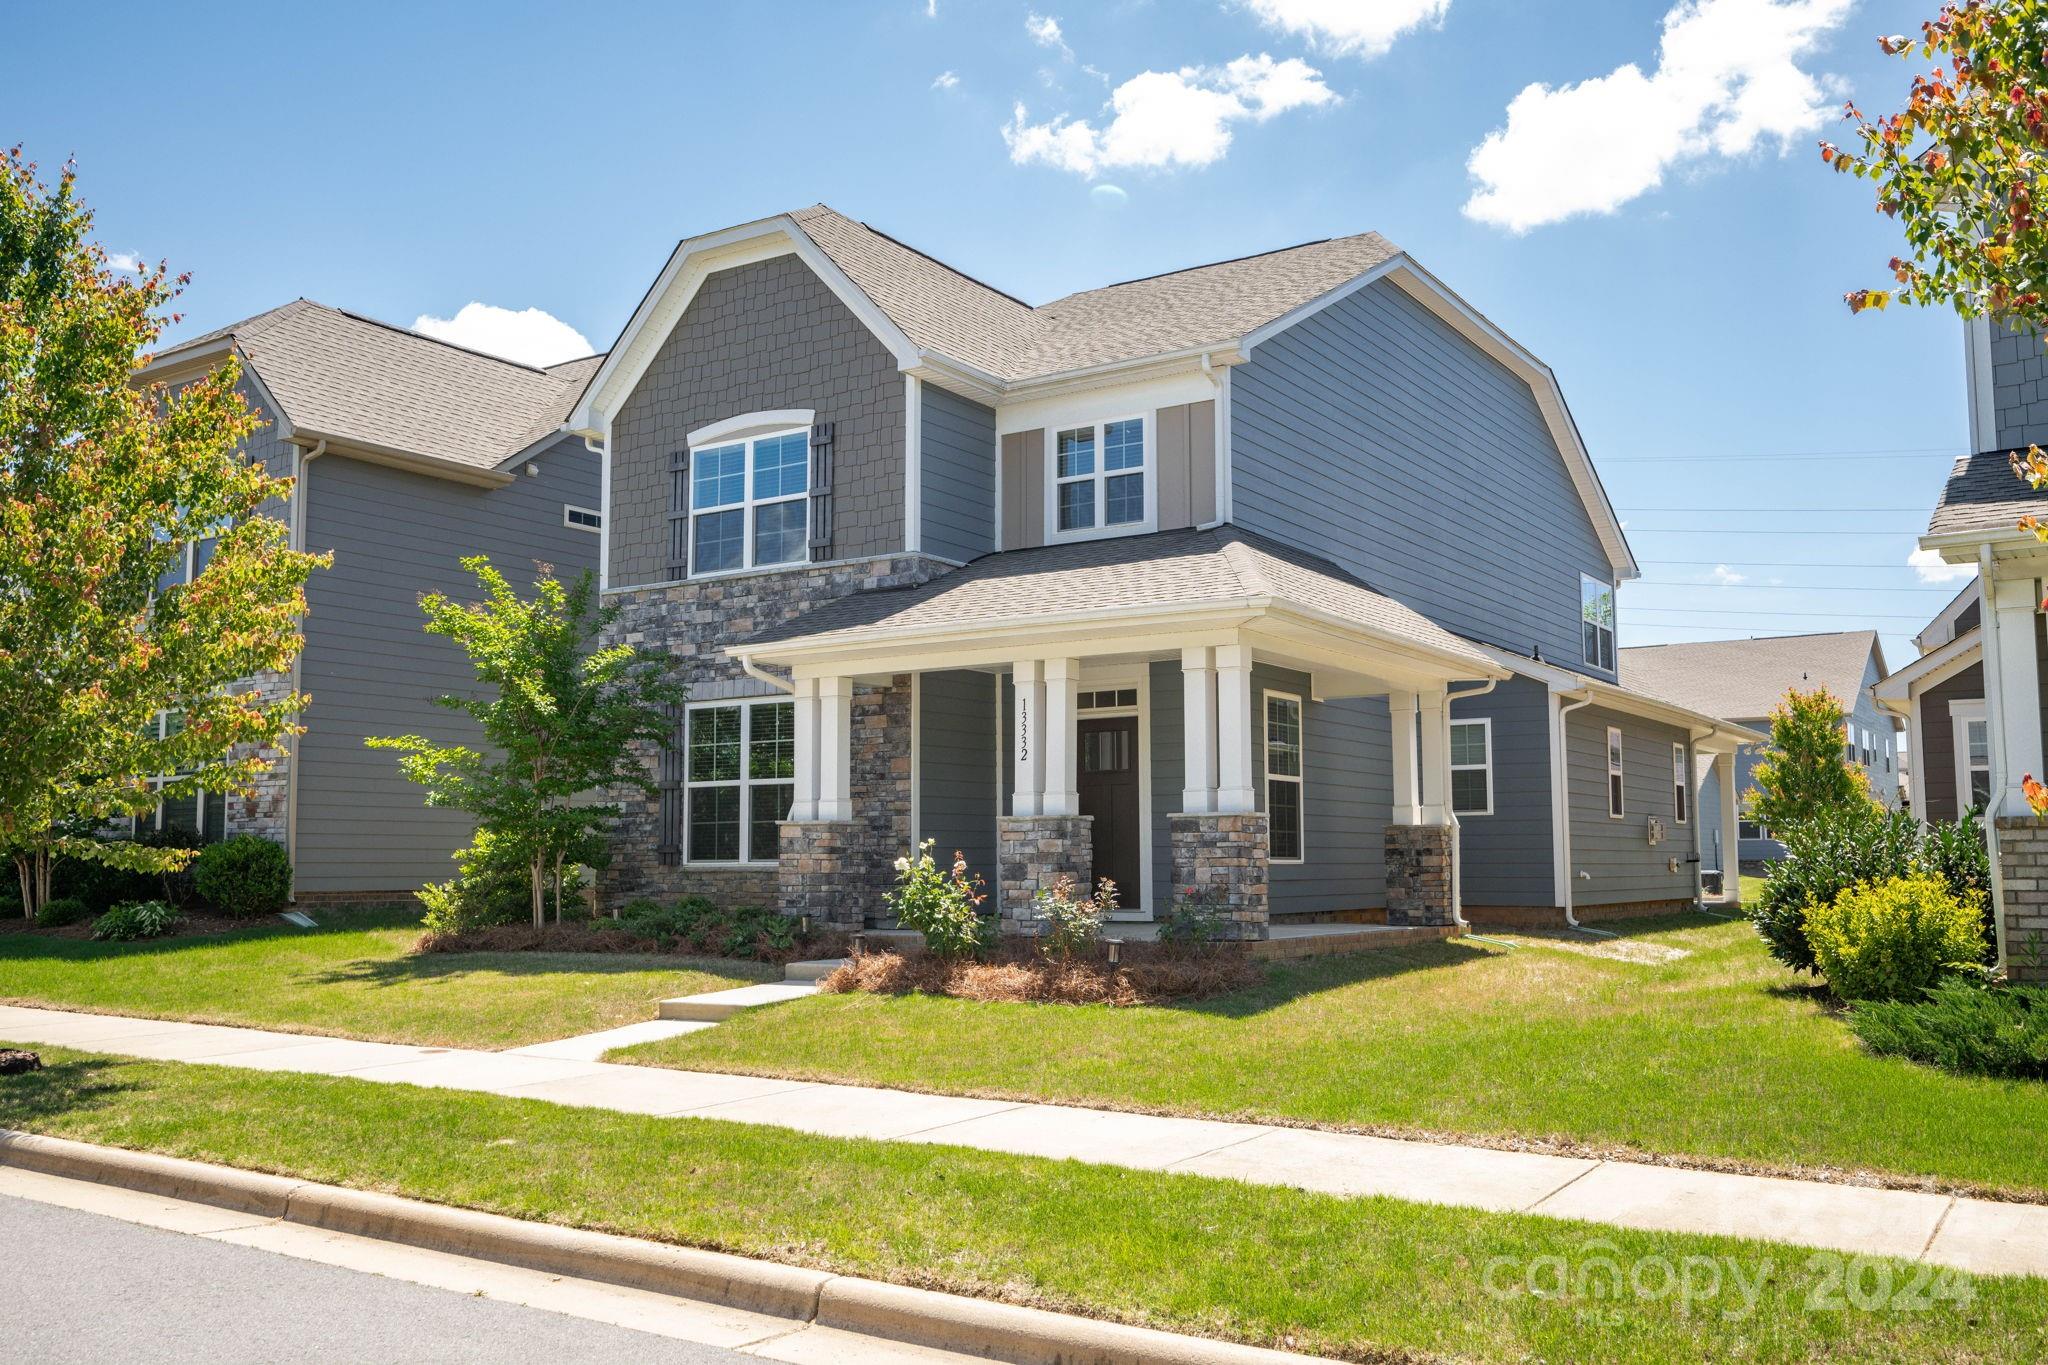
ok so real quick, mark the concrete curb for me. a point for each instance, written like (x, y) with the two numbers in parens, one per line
(922, 1317)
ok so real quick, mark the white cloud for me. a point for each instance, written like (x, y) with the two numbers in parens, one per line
(1348, 28)
(1109, 196)
(931, 9)
(945, 80)
(529, 336)
(1045, 31)
(1723, 574)
(1170, 118)
(1727, 77)
(128, 262)
(1928, 565)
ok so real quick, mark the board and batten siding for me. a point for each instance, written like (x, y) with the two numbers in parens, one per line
(370, 668)
(1625, 867)
(956, 773)
(1374, 435)
(1507, 857)
(1184, 470)
(757, 338)
(957, 483)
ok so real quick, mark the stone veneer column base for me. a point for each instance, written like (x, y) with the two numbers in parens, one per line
(1226, 854)
(1031, 853)
(1419, 875)
(2023, 870)
(823, 873)
(265, 808)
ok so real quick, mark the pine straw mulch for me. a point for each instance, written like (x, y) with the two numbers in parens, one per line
(588, 937)
(1148, 975)
(191, 924)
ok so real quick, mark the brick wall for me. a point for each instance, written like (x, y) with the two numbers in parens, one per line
(1226, 856)
(2023, 868)
(265, 809)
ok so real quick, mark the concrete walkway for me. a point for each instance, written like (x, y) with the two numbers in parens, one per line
(1972, 1234)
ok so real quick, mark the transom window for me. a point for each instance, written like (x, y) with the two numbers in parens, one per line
(1596, 608)
(582, 518)
(749, 503)
(1472, 767)
(1107, 699)
(1613, 772)
(1099, 476)
(1283, 776)
(1681, 787)
(740, 772)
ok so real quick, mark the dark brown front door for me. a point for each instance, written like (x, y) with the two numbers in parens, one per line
(1109, 792)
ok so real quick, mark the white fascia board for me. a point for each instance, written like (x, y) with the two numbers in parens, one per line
(1469, 322)
(1930, 669)
(370, 453)
(1972, 591)
(1110, 396)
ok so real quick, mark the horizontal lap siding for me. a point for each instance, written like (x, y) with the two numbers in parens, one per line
(1169, 775)
(1348, 788)
(1507, 856)
(1625, 867)
(371, 670)
(958, 476)
(1374, 435)
(957, 767)
(1935, 789)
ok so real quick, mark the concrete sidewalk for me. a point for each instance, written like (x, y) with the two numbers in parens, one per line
(1978, 1235)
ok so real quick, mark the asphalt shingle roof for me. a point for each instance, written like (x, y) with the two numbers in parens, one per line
(1744, 679)
(353, 378)
(958, 316)
(1983, 494)
(1164, 569)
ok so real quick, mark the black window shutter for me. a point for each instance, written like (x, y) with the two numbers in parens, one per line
(668, 851)
(679, 514)
(821, 492)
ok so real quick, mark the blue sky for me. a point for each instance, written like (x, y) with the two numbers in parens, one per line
(1652, 219)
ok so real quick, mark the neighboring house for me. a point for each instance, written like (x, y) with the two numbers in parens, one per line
(1940, 695)
(1286, 577)
(1744, 681)
(409, 453)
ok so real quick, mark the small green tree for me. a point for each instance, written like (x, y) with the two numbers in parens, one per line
(557, 715)
(104, 484)
(1805, 770)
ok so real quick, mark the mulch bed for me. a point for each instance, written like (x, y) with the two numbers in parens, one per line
(1149, 975)
(589, 938)
(194, 924)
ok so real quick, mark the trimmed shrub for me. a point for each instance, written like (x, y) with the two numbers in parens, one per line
(1964, 1027)
(1072, 925)
(1196, 919)
(60, 911)
(1891, 940)
(943, 906)
(102, 887)
(138, 919)
(488, 890)
(694, 924)
(245, 875)
(1957, 853)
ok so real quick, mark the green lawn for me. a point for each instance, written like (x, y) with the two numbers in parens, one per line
(1752, 890)
(355, 977)
(1366, 1279)
(1718, 1055)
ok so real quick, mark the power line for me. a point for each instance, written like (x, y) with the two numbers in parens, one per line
(1774, 611)
(1901, 453)
(1768, 531)
(1751, 511)
(1784, 564)
(1784, 587)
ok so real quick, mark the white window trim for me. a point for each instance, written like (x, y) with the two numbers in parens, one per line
(1681, 786)
(1608, 660)
(748, 425)
(1487, 723)
(1266, 696)
(748, 503)
(1617, 760)
(745, 783)
(569, 519)
(155, 818)
(1961, 714)
(1149, 469)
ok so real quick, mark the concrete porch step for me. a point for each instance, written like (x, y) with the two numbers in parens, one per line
(714, 1006)
(815, 970)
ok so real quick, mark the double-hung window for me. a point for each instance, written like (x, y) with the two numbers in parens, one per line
(1681, 787)
(1283, 776)
(740, 771)
(750, 503)
(1099, 474)
(202, 813)
(1472, 767)
(1973, 754)
(1614, 809)
(1596, 611)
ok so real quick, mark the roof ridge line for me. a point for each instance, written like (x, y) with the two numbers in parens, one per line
(438, 341)
(1204, 265)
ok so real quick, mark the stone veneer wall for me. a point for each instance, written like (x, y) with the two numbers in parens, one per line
(1228, 855)
(1031, 853)
(1419, 874)
(694, 622)
(2023, 871)
(266, 809)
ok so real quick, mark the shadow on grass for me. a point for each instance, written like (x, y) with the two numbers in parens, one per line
(25, 947)
(60, 1088)
(419, 967)
(1287, 982)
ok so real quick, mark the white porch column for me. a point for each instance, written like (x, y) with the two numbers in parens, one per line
(1401, 724)
(835, 751)
(1731, 836)
(1029, 747)
(2018, 691)
(804, 693)
(1198, 729)
(1435, 758)
(1234, 794)
(1062, 778)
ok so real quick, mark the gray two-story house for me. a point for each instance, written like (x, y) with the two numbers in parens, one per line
(1287, 579)
(408, 454)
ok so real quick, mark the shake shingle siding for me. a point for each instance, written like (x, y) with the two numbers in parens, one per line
(2019, 383)
(761, 337)
(1375, 436)
(1624, 867)
(959, 476)
(370, 668)
(1508, 855)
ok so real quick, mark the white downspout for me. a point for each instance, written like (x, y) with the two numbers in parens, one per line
(1563, 788)
(760, 674)
(297, 534)
(1994, 722)
(1699, 818)
(1458, 853)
